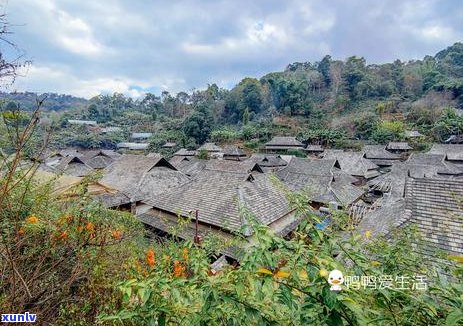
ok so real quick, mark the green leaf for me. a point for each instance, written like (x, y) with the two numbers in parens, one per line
(454, 317)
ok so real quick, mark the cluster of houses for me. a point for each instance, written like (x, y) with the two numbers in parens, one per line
(382, 188)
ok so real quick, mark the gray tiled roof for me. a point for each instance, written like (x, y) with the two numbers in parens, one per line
(268, 160)
(184, 152)
(314, 148)
(379, 152)
(218, 196)
(321, 179)
(398, 146)
(453, 152)
(436, 208)
(142, 177)
(354, 163)
(437, 161)
(284, 142)
(233, 151)
(73, 165)
(210, 147)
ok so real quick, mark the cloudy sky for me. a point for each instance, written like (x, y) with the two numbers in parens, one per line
(88, 47)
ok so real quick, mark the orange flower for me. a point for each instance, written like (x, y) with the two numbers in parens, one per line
(150, 258)
(80, 229)
(185, 254)
(64, 235)
(116, 234)
(179, 269)
(90, 227)
(32, 219)
(21, 231)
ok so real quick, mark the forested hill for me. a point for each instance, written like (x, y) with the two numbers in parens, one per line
(55, 102)
(331, 98)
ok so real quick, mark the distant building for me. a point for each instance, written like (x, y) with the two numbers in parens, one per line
(83, 122)
(453, 152)
(233, 153)
(107, 130)
(184, 152)
(413, 134)
(211, 148)
(141, 135)
(134, 146)
(380, 156)
(398, 147)
(314, 150)
(269, 163)
(283, 144)
(355, 164)
(169, 145)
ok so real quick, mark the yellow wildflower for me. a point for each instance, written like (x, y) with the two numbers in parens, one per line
(32, 219)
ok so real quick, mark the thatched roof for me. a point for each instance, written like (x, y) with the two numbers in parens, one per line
(218, 195)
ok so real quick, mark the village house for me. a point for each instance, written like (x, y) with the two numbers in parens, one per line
(228, 202)
(212, 149)
(70, 165)
(398, 147)
(169, 145)
(433, 206)
(314, 150)
(269, 163)
(283, 144)
(82, 122)
(453, 152)
(133, 146)
(413, 134)
(141, 136)
(140, 177)
(233, 153)
(354, 164)
(184, 152)
(380, 156)
(323, 180)
(99, 159)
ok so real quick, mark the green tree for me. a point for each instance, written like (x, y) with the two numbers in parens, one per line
(199, 124)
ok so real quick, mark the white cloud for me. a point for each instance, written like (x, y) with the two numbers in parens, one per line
(88, 47)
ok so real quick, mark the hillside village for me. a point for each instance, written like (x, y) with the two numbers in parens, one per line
(382, 187)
